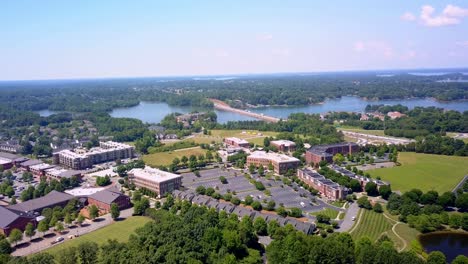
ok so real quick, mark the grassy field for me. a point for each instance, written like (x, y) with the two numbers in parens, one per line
(371, 224)
(407, 233)
(328, 212)
(252, 136)
(166, 158)
(120, 231)
(424, 171)
(362, 131)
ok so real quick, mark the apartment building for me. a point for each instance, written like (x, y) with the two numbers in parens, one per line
(281, 163)
(80, 159)
(362, 180)
(155, 180)
(284, 145)
(326, 152)
(237, 142)
(326, 187)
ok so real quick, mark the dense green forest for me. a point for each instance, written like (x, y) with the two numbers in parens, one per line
(106, 94)
(183, 233)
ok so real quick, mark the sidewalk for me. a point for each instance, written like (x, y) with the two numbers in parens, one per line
(39, 243)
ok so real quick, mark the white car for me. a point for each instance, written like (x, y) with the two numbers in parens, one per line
(354, 218)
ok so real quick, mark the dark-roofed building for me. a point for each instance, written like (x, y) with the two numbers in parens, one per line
(10, 220)
(326, 187)
(326, 152)
(103, 199)
(50, 200)
(27, 164)
(59, 173)
(361, 179)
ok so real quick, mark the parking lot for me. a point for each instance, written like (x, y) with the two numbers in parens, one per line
(236, 182)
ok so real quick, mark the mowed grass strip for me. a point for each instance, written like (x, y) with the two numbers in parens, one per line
(424, 171)
(166, 158)
(362, 131)
(120, 231)
(328, 212)
(372, 225)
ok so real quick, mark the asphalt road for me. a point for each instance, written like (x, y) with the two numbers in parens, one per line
(348, 222)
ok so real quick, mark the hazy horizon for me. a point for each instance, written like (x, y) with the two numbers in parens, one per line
(49, 40)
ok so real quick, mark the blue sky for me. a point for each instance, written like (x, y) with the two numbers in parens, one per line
(91, 39)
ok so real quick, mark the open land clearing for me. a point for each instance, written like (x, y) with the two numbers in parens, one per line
(424, 171)
(120, 231)
(217, 136)
(166, 158)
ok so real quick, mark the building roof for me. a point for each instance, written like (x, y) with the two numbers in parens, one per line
(41, 166)
(7, 218)
(84, 191)
(8, 156)
(276, 157)
(106, 196)
(154, 175)
(237, 140)
(5, 161)
(286, 143)
(31, 162)
(62, 173)
(48, 200)
(323, 149)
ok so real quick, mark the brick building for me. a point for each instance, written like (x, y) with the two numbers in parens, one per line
(103, 200)
(326, 152)
(361, 179)
(284, 145)
(158, 181)
(39, 170)
(10, 220)
(50, 200)
(326, 187)
(59, 173)
(237, 142)
(281, 163)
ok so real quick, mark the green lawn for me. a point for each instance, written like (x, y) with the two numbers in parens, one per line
(362, 131)
(328, 212)
(166, 158)
(407, 233)
(424, 171)
(120, 231)
(371, 224)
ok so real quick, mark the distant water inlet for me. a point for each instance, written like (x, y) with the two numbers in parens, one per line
(451, 244)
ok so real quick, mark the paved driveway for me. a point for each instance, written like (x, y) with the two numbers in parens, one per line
(348, 222)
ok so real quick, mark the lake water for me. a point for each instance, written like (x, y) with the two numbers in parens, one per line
(355, 104)
(450, 243)
(154, 112)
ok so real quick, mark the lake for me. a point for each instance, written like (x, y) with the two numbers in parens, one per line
(154, 112)
(450, 243)
(355, 104)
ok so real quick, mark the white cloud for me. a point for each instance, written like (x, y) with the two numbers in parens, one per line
(451, 15)
(265, 37)
(455, 11)
(408, 16)
(380, 48)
